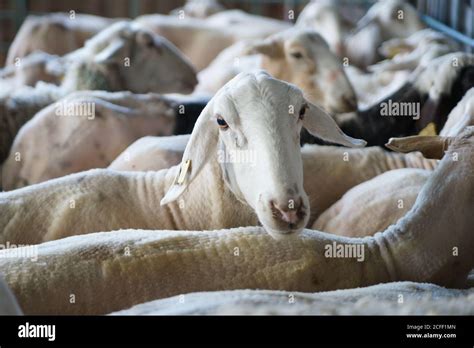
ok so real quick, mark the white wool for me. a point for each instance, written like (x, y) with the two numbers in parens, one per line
(375, 204)
(382, 299)
(438, 77)
(461, 116)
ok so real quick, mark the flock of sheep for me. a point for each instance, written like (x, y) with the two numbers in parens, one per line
(162, 156)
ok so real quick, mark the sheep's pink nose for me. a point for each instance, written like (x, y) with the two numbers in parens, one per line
(290, 211)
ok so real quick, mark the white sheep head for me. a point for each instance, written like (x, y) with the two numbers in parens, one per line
(145, 61)
(303, 57)
(395, 18)
(324, 18)
(257, 114)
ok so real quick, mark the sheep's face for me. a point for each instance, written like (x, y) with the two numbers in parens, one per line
(304, 58)
(148, 62)
(159, 66)
(325, 20)
(254, 124)
(396, 18)
(259, 122)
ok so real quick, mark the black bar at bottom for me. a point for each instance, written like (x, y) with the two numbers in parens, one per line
(414, 330)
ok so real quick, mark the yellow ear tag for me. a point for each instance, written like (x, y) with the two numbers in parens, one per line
(401, 48)
(179, 180)
(430, 129)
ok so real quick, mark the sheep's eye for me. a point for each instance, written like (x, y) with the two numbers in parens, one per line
(296, 55)
(303, 111)
(222, 123)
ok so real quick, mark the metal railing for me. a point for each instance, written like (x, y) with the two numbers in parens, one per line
(454, 18)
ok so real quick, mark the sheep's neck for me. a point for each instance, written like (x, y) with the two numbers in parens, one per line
(207, 204)
(433, 242)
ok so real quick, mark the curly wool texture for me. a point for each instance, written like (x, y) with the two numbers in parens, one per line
(398, 298)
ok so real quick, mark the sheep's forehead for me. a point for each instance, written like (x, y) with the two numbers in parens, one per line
(253, 94)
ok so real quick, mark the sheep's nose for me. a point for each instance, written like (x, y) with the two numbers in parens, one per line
(290, 211)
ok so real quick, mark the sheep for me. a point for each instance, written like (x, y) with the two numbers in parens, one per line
(32, 69)
(418, 49)
(298, 56)
(383, 21)
(419, 299)
(245, 25)
(67, 136)
(428, 97)
(380, 202)
(160, 264)
(151, 153)
(55, 33)
(461, 117)
(131, 200)
(324, 18)
(199, 41)
(338, 98)
(199, 8)
(122, 57)
(374, 86)
(387, 76)
(374, 205)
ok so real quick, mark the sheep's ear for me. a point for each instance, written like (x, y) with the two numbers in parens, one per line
(201, 145)
(110, 53)
(430, 146)
(270, 48)
(322, 125)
